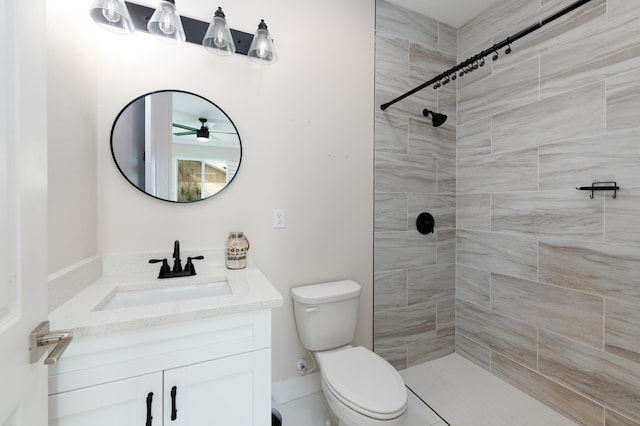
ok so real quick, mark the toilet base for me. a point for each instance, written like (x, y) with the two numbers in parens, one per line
(342, 415)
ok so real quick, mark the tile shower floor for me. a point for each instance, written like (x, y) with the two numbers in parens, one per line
(459, 391)
(465, 394)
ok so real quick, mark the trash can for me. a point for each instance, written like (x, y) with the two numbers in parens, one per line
(276, 417)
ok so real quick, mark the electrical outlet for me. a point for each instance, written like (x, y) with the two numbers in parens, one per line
(278, 218)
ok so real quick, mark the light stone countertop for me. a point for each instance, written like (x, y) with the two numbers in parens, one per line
(250, 291)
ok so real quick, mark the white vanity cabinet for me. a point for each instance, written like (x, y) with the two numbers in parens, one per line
(210, 371)
(219, 392)
(123, 402)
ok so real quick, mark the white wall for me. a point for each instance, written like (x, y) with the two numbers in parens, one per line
(306, 124)
(71, 127)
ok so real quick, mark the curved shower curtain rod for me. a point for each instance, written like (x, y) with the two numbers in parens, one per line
(493, 49)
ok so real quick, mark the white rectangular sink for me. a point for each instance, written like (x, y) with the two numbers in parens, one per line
(125, 298)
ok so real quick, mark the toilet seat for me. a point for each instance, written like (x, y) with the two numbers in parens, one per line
(365, 382)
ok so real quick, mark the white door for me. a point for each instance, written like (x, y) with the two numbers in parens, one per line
(23, 209)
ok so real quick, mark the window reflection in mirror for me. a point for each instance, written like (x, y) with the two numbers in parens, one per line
(176, 146)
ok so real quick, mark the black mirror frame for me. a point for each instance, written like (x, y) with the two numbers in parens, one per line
(113, 155)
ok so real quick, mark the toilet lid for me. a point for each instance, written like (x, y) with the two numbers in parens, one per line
(365, 382)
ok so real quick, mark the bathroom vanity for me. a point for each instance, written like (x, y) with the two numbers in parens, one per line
(202, 360)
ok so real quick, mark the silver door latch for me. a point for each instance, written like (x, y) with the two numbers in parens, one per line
(41, 337)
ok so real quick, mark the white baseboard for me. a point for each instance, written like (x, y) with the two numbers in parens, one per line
(296, 387)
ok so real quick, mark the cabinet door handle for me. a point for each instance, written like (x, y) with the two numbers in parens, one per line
(174, 410)
(149, 401)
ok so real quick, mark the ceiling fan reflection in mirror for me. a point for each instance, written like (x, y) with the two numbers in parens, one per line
(202, 134)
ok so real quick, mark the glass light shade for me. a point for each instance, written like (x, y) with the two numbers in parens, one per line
(112, 15)
(261, 49)
(165, 23)
(218, 38)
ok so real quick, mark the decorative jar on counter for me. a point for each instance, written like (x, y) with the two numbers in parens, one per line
(237, 248)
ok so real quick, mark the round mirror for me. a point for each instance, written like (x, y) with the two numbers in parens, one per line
(176, 146)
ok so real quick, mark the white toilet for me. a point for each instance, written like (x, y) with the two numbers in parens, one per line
(361, 388)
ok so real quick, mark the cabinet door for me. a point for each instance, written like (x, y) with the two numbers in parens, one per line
(228, 391)
(121, 403)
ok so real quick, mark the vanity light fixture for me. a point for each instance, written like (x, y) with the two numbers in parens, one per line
(112, 15)
(218, 38)
(261, 49)
(166, 24)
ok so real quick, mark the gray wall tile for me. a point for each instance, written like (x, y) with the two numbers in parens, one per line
(473, 212)
(441, 206)
(428, 350)
(622, 216)
(405, 173)
(446, 176)
(574, 114)
(603, 269)
(425, 62)
(446, 246)
(396, 356)
(478, 354)
(572, 405)
(392, 56)
(506, 254)
(397, 250)
(390, 290)
(593, 373)
(429, 141)
(405, 325)
(499, 92)
(614, 419)
(591, 58)
(559, 213)
(473, 286)
(415, 171)
(622, 329)
(398, 22)
(503, 172)
(446, 318)
(589, 18)
(392, 133)
(622, 10)
(448, 105)
(505, 335)
(447, 38)
(503, 16)
(567, 312)
(474, 138)
(623, 102)
(390, 212)
(561, 111)
(581, 161)
(431, 284)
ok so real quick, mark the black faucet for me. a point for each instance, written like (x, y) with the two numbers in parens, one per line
(177, 271)
(177, 266)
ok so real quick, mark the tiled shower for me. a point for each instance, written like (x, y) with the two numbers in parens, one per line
(414, 173)
(526, 276)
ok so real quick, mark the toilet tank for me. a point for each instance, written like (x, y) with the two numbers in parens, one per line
(326, 314)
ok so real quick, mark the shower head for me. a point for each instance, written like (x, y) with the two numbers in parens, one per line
(436, 119)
